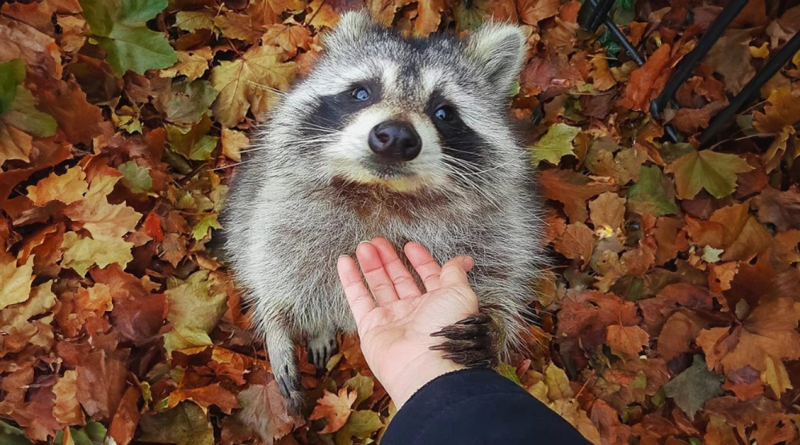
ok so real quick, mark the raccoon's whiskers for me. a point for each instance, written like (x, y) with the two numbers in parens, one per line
(261, 86)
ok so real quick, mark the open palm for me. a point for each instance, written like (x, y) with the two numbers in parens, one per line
(395, 318)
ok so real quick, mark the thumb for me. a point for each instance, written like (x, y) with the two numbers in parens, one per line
(454, 272)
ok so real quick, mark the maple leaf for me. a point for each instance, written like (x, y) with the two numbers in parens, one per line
(66, 188)
(652, 194)
(205, 396)
(19, 119)
(193, 20)
(136, 177)
(694, 386)
(15, 282)
(263, 413)
(194, 309)
(193, 143)
(576, 242)
(534, 11)
(247, 83)
(186, 102)
(192, 64)
(607, 211)
(555, 144)
(335, 409)
(572, 189)
(626, 341)
(97, 215)
(121, 30)
(233, 142)
(783, 110)
(730, 56)
(709, 170)
(360, 424)
(288, 37)
(76, 117)
(83, 253)
(267, 12)
(186, 424)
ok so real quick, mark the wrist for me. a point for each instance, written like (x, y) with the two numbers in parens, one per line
(417, 373)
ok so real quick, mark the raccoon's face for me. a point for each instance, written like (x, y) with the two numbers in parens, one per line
(407, 114)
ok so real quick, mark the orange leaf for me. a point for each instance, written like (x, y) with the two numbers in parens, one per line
(626, 340)
(335, 409)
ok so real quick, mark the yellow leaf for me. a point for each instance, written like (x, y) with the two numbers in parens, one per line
(776, 376)
(82, 253)
(67, 409)
(249, 83)
(762, 52)
(15, 282)
(191, 64)
(233, 142)
(67, 188)
(14, 144)
(557, 383)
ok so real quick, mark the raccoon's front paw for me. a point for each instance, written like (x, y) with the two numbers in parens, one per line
(321, 349)
(288, 379)
(471, 342)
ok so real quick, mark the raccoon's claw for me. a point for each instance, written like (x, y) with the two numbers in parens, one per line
(321, 349)
(470, 342)
(291, 390)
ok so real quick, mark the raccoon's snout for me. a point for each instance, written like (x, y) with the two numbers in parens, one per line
(395, 141)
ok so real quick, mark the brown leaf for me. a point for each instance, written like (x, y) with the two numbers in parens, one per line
(638, 90)
(123, 425)
(730, 56)
(534, 11)
(101, 384)
(779, 208)
(572, 189)
(626, 341)
(77, 118)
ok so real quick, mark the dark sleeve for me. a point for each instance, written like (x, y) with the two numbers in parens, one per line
(477, 406)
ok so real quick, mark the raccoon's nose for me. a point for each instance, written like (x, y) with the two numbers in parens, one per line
(395, 141)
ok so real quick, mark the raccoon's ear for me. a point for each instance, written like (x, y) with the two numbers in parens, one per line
(352, 27)
(499, 51)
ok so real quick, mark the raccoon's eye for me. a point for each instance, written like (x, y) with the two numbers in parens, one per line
(444, 113)
(360, 94)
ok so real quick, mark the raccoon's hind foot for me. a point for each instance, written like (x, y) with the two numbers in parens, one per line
(471, 342)
(321, 348)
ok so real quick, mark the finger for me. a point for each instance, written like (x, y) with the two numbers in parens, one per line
(358, 296)
(426, 266)
(404, 283)
(375, 273)
(454, 272)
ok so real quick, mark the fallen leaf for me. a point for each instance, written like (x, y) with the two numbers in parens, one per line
(335, 409)
(555, 144)
(694, 386)
(186, 424)
(639, 89)
(709, 170)
(626, 341)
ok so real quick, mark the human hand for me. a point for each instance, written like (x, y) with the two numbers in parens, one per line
(395, 326)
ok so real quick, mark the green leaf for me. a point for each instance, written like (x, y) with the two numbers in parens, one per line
(122, 32)
(12, 73)
(706, 169)
(360, 424)
(652, 194)
(194, 310)
(186, 424)
(10, 435)
(694, 386)
(555, 144)
(193, 144)
(509, 372)
(200, 230)
(136, 177)
(186, 102)
(137, 50)
(24, 115)
(193, 20)
(363, 385)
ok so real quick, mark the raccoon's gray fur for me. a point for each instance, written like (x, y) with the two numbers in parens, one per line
(315, 188)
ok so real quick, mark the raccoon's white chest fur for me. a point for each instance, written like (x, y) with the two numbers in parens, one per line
(288, 242)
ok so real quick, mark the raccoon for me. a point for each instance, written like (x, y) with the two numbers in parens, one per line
(405, 138)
